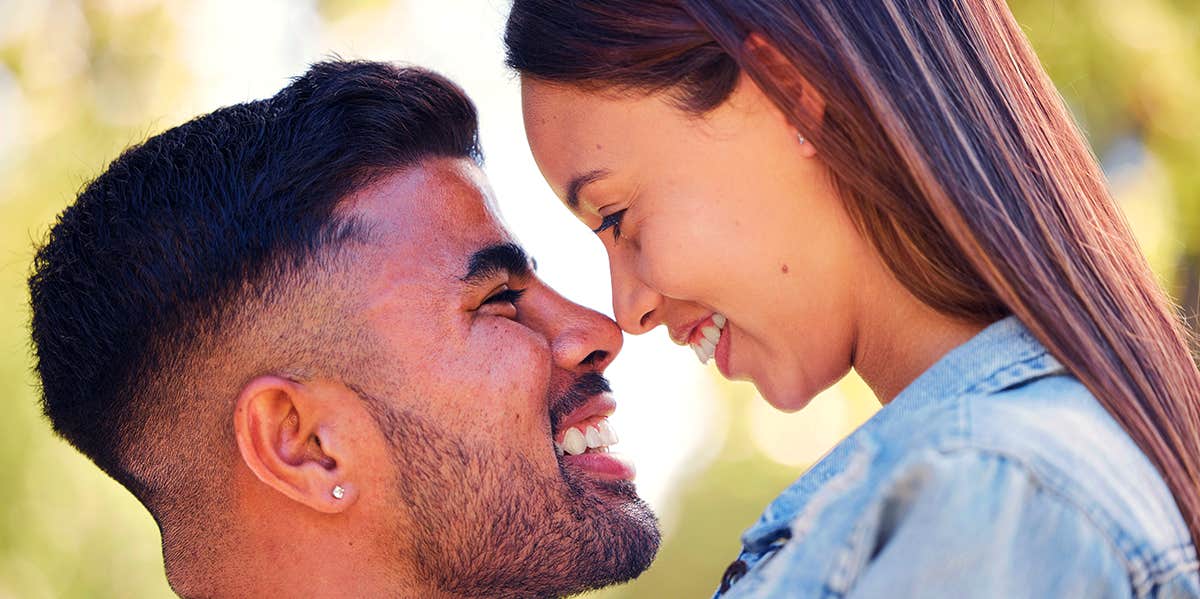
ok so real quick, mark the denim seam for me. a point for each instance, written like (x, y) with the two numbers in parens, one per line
(991, 383)
(839, 580)
(1177, 560)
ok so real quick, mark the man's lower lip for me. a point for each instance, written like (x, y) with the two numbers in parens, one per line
(610, 466)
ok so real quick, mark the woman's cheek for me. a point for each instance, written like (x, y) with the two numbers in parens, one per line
(676, 267)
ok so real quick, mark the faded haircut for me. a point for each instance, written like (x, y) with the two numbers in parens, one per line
(198, 259)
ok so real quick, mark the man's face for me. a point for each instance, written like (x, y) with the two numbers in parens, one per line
(479, 370)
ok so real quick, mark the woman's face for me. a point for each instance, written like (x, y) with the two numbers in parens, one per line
(723, 227)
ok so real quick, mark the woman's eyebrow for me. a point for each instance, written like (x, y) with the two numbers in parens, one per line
(578, 182)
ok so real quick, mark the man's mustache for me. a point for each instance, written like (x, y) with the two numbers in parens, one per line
(584, 388)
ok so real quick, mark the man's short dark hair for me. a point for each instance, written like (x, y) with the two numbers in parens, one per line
(162, 255)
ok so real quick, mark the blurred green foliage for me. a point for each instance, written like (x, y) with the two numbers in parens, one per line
(95, 75)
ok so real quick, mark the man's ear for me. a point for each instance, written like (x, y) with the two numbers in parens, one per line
(288, 435)
(806, 105)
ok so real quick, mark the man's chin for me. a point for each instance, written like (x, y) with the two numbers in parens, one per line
(628, 535)
(623, 520)
(499, 524)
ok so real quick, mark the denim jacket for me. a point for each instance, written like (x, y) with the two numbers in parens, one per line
(994, 474)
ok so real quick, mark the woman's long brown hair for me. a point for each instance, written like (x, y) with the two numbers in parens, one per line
(954, 154)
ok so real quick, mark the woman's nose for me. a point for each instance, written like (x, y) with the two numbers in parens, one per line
(636, 305)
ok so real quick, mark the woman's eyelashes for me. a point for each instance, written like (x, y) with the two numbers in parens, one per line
(612, 221)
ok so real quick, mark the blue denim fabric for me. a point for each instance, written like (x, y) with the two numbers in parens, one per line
(994, 474)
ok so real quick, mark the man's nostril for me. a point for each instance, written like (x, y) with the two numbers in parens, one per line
(594, 358)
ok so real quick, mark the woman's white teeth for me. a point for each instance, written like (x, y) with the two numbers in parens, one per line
(598, 436)
(707, 346)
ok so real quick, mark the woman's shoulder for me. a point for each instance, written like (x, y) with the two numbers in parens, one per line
(1055, 431)
(1043, 453)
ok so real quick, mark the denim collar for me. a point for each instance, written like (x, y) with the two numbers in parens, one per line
(1004, 354)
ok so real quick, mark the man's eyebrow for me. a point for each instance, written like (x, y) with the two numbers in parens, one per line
(578, 182)
(495, 259)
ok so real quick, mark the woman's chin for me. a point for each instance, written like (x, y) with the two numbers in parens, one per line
(784, 399)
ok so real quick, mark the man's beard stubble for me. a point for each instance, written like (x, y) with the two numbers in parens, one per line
(488, 524)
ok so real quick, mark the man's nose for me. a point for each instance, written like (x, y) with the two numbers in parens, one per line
(636, 305)
(581, 339)
(591, 344)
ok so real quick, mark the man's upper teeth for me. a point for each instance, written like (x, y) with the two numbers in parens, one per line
(573, 442)
(608, 434)
(593, 437)
(598, 435)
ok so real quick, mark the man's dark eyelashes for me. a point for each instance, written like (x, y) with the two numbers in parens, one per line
(508, 296)
(612, 221)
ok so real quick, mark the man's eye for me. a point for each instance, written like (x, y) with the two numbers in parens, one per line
(507, 296)
(612, 221)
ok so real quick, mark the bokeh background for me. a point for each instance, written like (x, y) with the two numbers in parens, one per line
(82, 79)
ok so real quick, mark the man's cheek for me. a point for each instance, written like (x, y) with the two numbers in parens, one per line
(519, 378)
(517, 352)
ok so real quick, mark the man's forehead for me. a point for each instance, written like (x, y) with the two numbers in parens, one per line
(432, 194)
(431, 216)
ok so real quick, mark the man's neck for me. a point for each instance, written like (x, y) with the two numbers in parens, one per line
(299, 569)
(280, 548)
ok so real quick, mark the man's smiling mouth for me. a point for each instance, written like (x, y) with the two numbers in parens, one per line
(582, 433)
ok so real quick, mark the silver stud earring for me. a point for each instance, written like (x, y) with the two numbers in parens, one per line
(338, 492)
(800, 137)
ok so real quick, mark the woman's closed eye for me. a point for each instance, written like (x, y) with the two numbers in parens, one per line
(612, 221)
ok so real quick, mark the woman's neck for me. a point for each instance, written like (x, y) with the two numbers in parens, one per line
(899, 337)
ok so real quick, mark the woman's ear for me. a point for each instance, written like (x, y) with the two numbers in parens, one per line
(288, 436)
(802, 107)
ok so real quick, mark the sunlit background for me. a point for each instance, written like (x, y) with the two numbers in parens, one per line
(80, 80)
